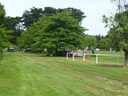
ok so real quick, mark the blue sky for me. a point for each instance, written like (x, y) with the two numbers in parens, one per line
(93, 9)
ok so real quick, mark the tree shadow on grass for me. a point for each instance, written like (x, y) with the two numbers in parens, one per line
(43, 55)
(111, 65)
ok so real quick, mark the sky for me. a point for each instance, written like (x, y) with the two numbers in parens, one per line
(93, 10)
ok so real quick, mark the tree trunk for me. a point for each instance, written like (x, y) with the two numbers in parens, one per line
(126, 57)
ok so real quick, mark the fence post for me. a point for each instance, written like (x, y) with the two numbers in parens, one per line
(73, 57)
(97, 58)
(67, 56)
(84, 57)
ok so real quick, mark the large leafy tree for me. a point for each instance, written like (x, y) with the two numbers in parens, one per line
(119, 28)
(11, 26)
(3, 38)
(56, 32)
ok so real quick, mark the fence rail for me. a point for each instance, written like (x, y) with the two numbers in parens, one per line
(96, 55)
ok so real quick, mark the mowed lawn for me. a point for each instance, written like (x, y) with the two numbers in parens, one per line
(24, 74)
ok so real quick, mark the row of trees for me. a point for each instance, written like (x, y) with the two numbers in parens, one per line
(57, 29)
(50, 28)
(98, 41)
(29, 17)
(16, 26)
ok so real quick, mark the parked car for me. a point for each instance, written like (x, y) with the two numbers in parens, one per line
(11, 49)
(97, 49)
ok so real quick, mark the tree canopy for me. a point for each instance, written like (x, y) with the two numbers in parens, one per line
(29, 17)
(119, 29)
(49, 28)
(32, 16)
(3, 37)
(56, 32)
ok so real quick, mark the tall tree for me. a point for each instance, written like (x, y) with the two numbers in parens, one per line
(119, 27)
(56, 32)
(3, 38)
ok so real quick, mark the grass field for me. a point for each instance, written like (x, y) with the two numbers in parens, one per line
(25, 74)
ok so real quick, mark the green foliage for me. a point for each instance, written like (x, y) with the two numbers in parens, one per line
(11, 23)
(3, 38)
(29, 17)
(76, 13)
(64, 31)
(3, 41)
(104, 44)
(2, 14)
(118, 32)
(56, 32)
(27, 37)
(32, 16)
(14, 24)
(90, 41)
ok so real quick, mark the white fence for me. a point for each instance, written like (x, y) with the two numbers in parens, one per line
(96, 55)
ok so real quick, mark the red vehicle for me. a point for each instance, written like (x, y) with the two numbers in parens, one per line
(77, 53)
